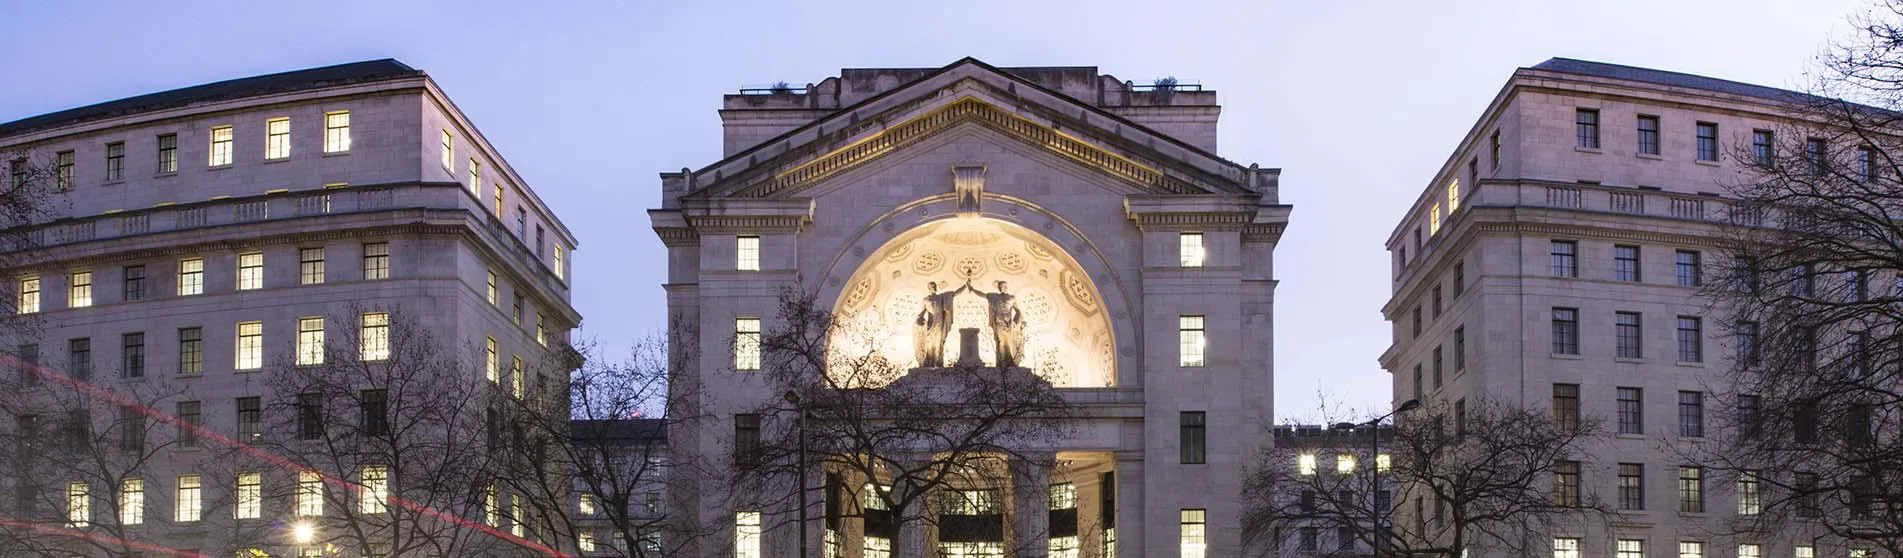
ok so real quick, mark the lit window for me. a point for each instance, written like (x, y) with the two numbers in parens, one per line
(747, 253)
(1565, 548)
(310, 494)
(491, 505)
(1063, 547)
(1305, 464)
(250, 419)
(79, 291)
(1383, 462)
(491, 362)
(250, 496)
(498, 196)
(585, 541)
(492, 293)
(1064, 496)
(132, 502)
(1193, 525)
(191, 277)
(63, 169)
(187, 507)
(250, 271)
(560, 263)
(191, 351)
(1189, 247)
(1453, 196)
(878, 547)
(29, 295)
(449, 151)
(310, 266)
(310, 341)
(250, 345)
(1859, 553)
(79, 506)
(541, 329)
(1805, 551)
(746, 344)
(1433, 220)
(277, 138)
(1750, 494)
(475, 177)
(220, 146)
(1190, 341)
(337, 131)
(517, 379)
(586, 504)
(1629, 548)
(375, 336)
(376, 260)
(746, 534)
(1690, 549)
(375, 494)
(1747, 550)
(168, 153)
(1344, 463)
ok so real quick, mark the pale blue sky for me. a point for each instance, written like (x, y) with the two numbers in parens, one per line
(1358, 101)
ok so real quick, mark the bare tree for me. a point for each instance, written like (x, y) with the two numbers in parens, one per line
(1490, 476)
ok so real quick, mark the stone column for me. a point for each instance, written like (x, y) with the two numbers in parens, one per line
(1028, 521)
(1130, 520)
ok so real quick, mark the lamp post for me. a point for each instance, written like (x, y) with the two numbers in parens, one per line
(1374, 470)
(793, 397)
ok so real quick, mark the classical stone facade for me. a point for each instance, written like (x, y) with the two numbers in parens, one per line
(205, 241)
(1555, 260)
(1139, 266)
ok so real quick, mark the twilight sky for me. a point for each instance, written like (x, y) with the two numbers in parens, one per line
(1358, 101)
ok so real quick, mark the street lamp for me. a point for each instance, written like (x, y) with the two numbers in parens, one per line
(793, 397)
(1374, 471)
(303, 532)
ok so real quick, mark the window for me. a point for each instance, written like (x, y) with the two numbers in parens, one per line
(1627, 339)
(1565, 331)
(1453, 192)
(558, 260)
(541, 329)
(1691, 489)
(1691, 414)
(1625, 263)
(1565, 548)
(1750, 494)
(115, 161)
(376, 260)
(1493, 150)
(188, 507)
(189, 420)
(1189, 248)
(1415, 319)
(475, 177)
(168, 153)
(1305, 464)
(522, 223)
(134, 278)
(1747, 416)
(1866, 164)
(540, 240)
(310, 416)
(191, 351)
(250, 420)
(1189, 341)
(29, 295)
(493, 294)
(1194, 523)
(1419, 381)
(374, 405)
(250, 346)
(1566, 483)
(277, 138)
(1437, 302)
(79, 289)
(63, 170)
(310, 494)
(79, 508)
(1691, 339)
(1631, 421)
(491, 361)
(249, 499)
(374, 335)
(1460, 420)
(1648, 134)
(1460, 348)
(1310, 539)
(1747, 343)
(1805, 551)
(1433, 219)
(191, 277)
(220, 146)
(1565, 258)
(1763, 147)
(1587, 125)
(1804, 422)
(310, 266)
(1688, 270)
(746, 344)
(491, 505)
(1707, 142)
(1566, 406)
(746, 534)
(337, 131)
(132, 502)
(79, 358)
(132, 355)
(1437, 366)
(250, 271)
(746, 439)
(131, 427)
(1631, 486)
(497, 188)
(374, 495)
(516, 377)
(449, 151)
(1194, 432)
(1691, 549)
(1816, 155)
(517, 314)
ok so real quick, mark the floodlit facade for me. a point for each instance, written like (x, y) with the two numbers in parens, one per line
(202, 241)
(1140, 261)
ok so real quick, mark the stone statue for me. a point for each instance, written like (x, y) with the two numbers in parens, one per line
(1007, 326)
(933, 326)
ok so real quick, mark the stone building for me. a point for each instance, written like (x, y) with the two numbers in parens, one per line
(1328, 498)
(204, 242)
(1554, 261)
(1141, 260)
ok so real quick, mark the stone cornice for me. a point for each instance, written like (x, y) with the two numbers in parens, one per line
(748, 223)
(677, 237)
(1201, 220)
(1269, 232)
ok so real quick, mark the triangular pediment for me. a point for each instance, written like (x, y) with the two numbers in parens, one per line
(968, 92)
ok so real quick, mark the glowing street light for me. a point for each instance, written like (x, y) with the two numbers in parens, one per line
(303, 532)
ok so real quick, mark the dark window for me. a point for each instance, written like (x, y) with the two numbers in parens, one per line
(131, 430)
(1817, 155)
(1473, 173)
(1690, 273)
(1565, 258)
(1587, 124)
(189, 420)
(29, 370)
(1437, 302)
(1804, 422)
(1707, 141)
(18, 169)
(115, 160)
(1308, 500)
(63, 170)
(1856, 354)
(1803, 282)
(1437, 366)
(79, 358)
(376, 412)
(191, 351)
(1866, 164)
(1566, 483)
(1566, 406)
(1631, 486)
(1631, 415)
(746, 440)
(1345, 537)
(1493, 150)
(310, 416)
(1748, 418)
(1311, 539)
(79, 429)
(1416, 320)
(1625, 263)
(168, 153)
(1460, 278)
(132, 363)
(1565, 331)
(1857, 424)
(1418, 381)
(1691, 489)
(1195, 437)
(1691, 339)
(1691, 414)
(1648, 134)
(1460, 348)
(1627, 327)
(134, 282)
(1747, 343)
(250, 420)
(1763, 147)
(1805, 490)
(1460, 419)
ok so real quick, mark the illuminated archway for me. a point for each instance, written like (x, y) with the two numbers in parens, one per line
(1067, 334)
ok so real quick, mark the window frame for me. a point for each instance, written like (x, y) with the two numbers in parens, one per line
(277, 144)
(336, 136)
(220, 151)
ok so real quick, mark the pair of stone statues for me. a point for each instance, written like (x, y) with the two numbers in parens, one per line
(933, 325)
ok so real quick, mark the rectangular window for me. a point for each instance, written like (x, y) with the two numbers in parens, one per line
(188, 506)
(1438, 375)
(191, 351)
(1750, 494)
(79, 289)
(1194, 432)
(491, 505)
(189, 421)
(310, 266)
(1189, 248)
(376, 260)
(131, 427)
(1566, 406)
(1747, 343)
(493, 294)
(1816, 155)
(134, 279)
(250, 420)
(1625, 263)
(1631, 486)
(191, 277)
(337, 131)
(541, 329)
(79, 508)
(517, 379)
(374, 405)
(1691, 489)
(249, 499)
(1415, 319)
(746, 440)
(1419, 381)
(1565, 331)
(1587, 125)
(1763, 147)
(1749, 550)
(1566, 483)
(491, 361)
(558, 261)
(746, 344)
(168, 153)
(449, 151)
(250, 271)
(374, 336)
(220, 146)
(1631, 417)
(1453, 188)
(1707, 141)
(1565, 548)
(374, 495)
(1628, 341)
(1691, 339)
(115, 161)
(132, 502)
(1689, 272)
(1460, 348)
(310, 494)
(79, 358)
(29, 295)
(1691, 549)
(1493, 150)
(1867, 161)
(1747, 416)
(1193, 525)
(522, 223)
(1648, 134)
(277, 138)
(63, 169)
(1691, 414)
(475, 177)
(1565, 258)
(132, 355)
(496, 187)
(1460, 419)
(1805, 551)
(310, 416)
(1433, 219)
(250, 346)
(1190, 343)
(746, 534)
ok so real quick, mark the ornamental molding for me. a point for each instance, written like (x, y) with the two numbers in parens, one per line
(748, 223)
(1269, 232)
(678, 237)
(1209, 220)
(1597, 232)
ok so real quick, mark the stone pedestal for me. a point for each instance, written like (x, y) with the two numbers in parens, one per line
(968, 349)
